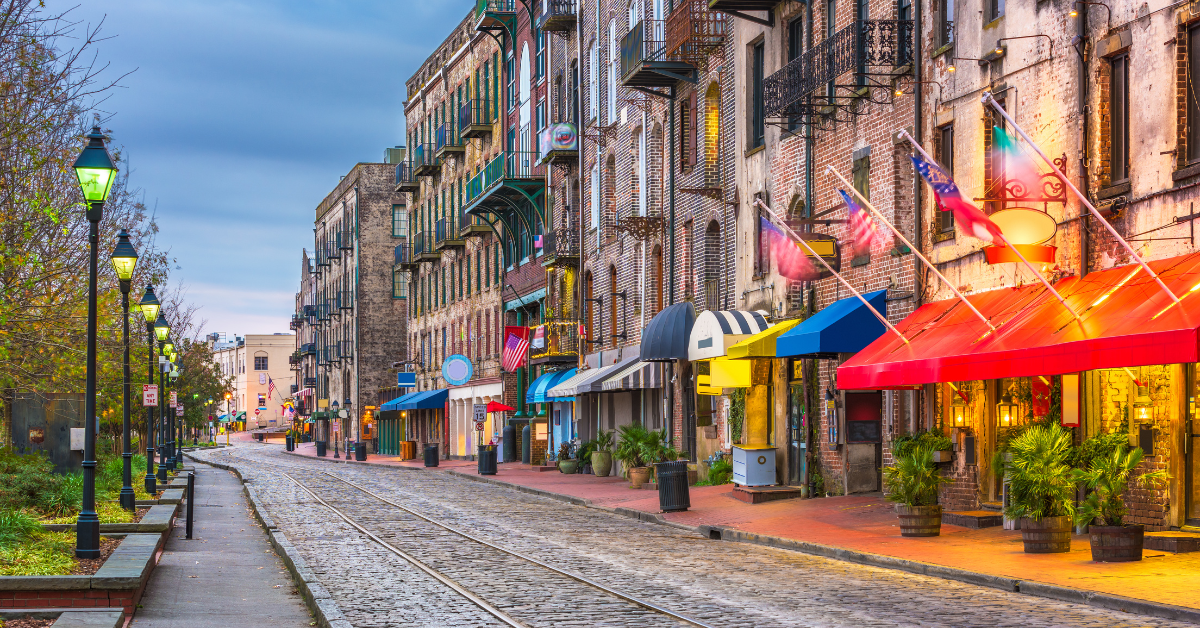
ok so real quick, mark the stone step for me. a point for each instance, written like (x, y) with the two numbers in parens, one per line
(974, 519)
(761, 494)
(993, 506)
(1175, 542)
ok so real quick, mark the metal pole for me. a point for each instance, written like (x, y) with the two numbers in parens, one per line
(162, 419)
(87, 527)
(191, 499)
(150, 481)
(127, 499)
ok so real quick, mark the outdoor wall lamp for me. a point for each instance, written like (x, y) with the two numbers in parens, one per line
(1006, 410)
(958, 408)
(1142, 403)
(1075, 10)
(952, 67)
(1000, 49)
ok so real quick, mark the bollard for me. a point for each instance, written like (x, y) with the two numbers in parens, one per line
(191, 497)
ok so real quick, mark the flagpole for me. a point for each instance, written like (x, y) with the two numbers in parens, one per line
(912, 248)
(989, 100)
(883, 319)
(1003, 240)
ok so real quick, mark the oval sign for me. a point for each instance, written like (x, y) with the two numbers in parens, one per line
(1023, 225)
(457, 370)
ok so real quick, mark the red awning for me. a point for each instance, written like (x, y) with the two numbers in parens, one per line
(1126, 320)
(496, 406)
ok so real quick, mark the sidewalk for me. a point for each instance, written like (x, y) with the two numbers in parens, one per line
(227, 575)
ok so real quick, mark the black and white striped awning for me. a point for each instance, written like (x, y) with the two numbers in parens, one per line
(714, 332)
(635, 377)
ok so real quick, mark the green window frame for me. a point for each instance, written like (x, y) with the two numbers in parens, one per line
(399, 286)
(399, 221)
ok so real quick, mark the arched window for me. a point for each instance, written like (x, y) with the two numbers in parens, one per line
(614, 61)
(610, 197)
(590, 320)
(638, 191)
(712, 266)
(712, 136)
(656, 281)
(612, 304)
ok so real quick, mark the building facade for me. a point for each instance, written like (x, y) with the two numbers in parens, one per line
(255, 361)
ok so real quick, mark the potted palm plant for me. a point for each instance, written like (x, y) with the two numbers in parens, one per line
(566, 463)
(1107, 478)
(913, 482)
(1041, 488)
(602, 454)
(631, 453)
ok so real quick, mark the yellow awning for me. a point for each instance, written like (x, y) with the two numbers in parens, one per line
(704, 386)
(762, 344)
(726, 373)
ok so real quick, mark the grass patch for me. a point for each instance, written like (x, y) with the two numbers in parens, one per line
(40, 554)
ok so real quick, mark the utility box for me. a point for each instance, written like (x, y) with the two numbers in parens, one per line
(754, 465)
(45, 422)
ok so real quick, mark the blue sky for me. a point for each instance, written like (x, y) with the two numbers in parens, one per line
(240, 116)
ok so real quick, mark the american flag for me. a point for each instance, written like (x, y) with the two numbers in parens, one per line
(516, 346)
(966, 215)
(270, 387)
(862, 229)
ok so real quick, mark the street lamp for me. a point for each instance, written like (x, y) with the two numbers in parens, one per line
(163, 331)
(161, 328)
(124, 258)
(334, 413)
(176, 425)
(1006, 409)
(95, 170)
(150, 310)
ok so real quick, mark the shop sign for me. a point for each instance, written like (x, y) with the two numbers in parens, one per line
(1070, 400)
(149, 395)
(174, 398)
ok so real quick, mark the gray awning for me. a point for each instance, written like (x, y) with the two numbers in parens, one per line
(666, 337)
(636, 376)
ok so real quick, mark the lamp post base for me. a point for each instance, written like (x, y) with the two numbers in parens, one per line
(87, 536)
(162, 472)
(151, 484)
(128, 500)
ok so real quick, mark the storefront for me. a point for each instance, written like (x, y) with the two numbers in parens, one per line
(426, 412)
(1119, 358)
(464, 438)
(559, 410)
(665, 342)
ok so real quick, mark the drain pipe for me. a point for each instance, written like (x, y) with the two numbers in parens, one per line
(918, 124)
(1081, 48)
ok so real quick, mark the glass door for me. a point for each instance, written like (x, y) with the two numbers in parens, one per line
(1191, 442)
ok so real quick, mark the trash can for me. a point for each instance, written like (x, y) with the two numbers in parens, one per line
(322, 447)
(487, 460)
(510, 443)
(287, 442)
(360, 452)
(672, 480)
(525, 444)
(431, 455)
(258, 437)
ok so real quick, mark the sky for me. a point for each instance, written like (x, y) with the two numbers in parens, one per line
(240, 116)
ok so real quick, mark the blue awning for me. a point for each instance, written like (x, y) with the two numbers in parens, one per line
(666, 336)
(844, 326)
(426, 400)
(395, 403)
(537, 390)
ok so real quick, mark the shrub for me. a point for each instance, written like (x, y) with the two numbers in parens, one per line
(720, 472)
(26, 478)
(1040, 482)
(1108, 477)
(17, 526)
(631, 450)
(64, 498)
(934, 439)
(913, 480)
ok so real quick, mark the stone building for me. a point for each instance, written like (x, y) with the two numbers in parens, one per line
(254, 361)
(351, 319)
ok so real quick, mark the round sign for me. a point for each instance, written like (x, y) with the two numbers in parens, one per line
(457, 370)
(1023, 225)
(256, 411)
(478, 426)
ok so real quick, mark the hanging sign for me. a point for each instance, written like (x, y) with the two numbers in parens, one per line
(174, 398)
(457, 370)
(149, 395)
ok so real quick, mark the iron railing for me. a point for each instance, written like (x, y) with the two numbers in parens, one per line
(425, 160)
(308, 348)
(347, 300)
(476, 112)
(712, 295)
(310, 382)
(446, 137)
(420, 244)
(403, 254)
(560, 338)
(506, 165)
(331, 353)
(346, 348)
(644, 42)
(445, 229)
(405, 175)
(861, 47)
(333, 246)
(557, 15)
(346, 240)
(561, 242)
(310, 312)
(693, 31)
(323, 311)
(495, 6)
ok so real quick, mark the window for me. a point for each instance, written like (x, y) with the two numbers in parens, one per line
(1119, 116)
(573, 114)
(612, 304)
(511, 70)
(594, 81)
(762, 246)
(399, 221)
(541, 54)
(399, 285)
(795, 34)
(995, 9)
(595, 201)
(945, 221)
(904, 12)
(260, 362)
(614, 58)
(945, 22)
(757, 123)
(687, 131)
(262, 400)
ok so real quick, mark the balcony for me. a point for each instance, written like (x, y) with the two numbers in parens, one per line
(513, 179)
(425, 162)
(321, 255)
(447, 141)
(346, 300)
(333, 247)
(557, 15)
(346, 240)
(738, 8)
(422, 248)
(471, 226)
(559, 342)
(310, 313)
(406, 179)
(693, 32)
(294, 358)
(404, 257)
(495, 15)
(322, 311)
(868, 53)
(346, 349)
(308, 348)
(475, 118)
(561, 246)
(310, 382)
(644, 62)
(296, 321)
(446, 235)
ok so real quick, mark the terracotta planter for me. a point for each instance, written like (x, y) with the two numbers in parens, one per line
(1049, 535)
(568, 466)
(919, 520)
(638, 476)
(943, 456)
(601, 463)
(1116, 544)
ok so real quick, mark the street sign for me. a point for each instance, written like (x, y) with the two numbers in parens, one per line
(179, 410)
(174, 397)
(149, 395)
(406, 380)
(256, 411)
(480, 416)
(478, 426)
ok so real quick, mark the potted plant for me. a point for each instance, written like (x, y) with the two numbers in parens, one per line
(1041, 488)
(913, 482)
(934, 439)
(584, 455)
(1107, 478)
(602, 454)
(631, 453)
(566, 464)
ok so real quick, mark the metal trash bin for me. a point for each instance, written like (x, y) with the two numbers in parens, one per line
(360, 452)
(431, 455)
(672, 478)
(487, 460)
(258, 437)
(287, 442)
(322, 448)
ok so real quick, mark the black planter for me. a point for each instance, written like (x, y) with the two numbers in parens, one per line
(431, 455)
(487, 460)
(360, 452)
(673, 495)
(322, 447)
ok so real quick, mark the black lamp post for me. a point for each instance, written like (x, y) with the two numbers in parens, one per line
(150, 308)
(95, 171)
(334, 416)
(177, 425)
(172, 353)
(124, 258)
(163, 346)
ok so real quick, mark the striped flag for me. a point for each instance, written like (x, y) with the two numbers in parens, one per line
(270, 387)
(862, 229)
(969, 217)
(516, 347)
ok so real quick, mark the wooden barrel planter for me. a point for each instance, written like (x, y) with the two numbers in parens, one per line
(1116, 544)
(1049, 535)
(919, 520)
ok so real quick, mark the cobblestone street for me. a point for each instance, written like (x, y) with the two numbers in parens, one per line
(707, 582)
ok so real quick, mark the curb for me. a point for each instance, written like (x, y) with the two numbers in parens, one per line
(320, 603)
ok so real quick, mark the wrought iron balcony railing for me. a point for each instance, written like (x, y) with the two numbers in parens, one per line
(469, 225)
(425, 161)
(483, 7)
(404, 256)
(559, 340)
(447, 140)
(346, 240)
(406, 179)
(346, 348)
(557, 15)
(331, 353)
(346, 300)
(506, 165)
(865, 48)
(476, 117)
(310, 313)
(560, 245)
(646, 41)
(323, 311)
(308, 348)
(693, 31)
(333, 246)
(294, 358)
(310, 382)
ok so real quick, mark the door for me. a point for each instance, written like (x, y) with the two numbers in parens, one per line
(797, 431)
(864, 440)
(689, 407)
(1191, 441)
